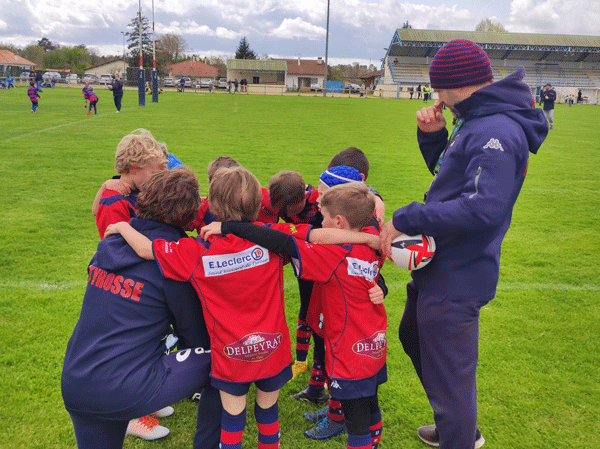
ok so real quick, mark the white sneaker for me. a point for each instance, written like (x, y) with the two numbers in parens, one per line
(164, 412)
(146, 428)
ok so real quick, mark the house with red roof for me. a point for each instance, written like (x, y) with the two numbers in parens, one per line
(192, 68)
(14, 65)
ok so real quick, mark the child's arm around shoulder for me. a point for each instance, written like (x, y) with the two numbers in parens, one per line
(112, 184)
(141, 244)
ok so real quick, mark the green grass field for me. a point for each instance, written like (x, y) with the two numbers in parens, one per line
(539, 381)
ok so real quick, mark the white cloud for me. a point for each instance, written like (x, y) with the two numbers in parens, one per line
(298, 28)
(554, 16)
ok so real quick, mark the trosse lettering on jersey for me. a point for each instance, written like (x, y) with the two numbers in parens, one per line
(219, 265)
(362, 268)
(116, 284)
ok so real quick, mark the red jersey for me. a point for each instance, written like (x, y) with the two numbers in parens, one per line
(340, 309)
(114, 208)
(203, 217)
(267, 213)
(240, 285)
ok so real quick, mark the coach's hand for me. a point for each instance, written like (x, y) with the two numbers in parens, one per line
(376, 294)
(213, 228)
(430, 119)
(388, 233)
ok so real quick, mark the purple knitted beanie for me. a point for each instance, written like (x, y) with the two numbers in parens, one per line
(459, 63)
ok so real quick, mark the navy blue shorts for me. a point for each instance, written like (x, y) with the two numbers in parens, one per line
(267, 384)
(354, 389)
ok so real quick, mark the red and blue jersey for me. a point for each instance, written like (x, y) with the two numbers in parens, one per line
(240, 285)
(114, 208)
(92, 96)
(203, 217)
(85, 92)
(340, 308)
(32, 92)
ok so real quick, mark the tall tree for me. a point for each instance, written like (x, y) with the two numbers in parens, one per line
(170, 48)
(243, 51)
(33, 53)
(133, 42)
(9, 47)
(220, 64)
(489, 26)
(47, 45)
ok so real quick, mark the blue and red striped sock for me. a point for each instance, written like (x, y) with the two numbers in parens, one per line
(358, 442)
(303, 333)
(376, 429)
(232, 430)
(267, 421)
(316, 383)
(335, 411)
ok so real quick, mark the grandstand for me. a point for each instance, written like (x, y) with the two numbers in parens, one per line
(569, 62)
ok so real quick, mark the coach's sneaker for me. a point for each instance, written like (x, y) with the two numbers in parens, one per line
(164, 412)
(298, 368)
(326, 429)
(429, 435)
(303, 395)
(317, 416)
(146, 428)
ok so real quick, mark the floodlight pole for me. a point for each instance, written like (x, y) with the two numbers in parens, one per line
(141, 74)
(154, 72)
(124, 70)
(326, 51)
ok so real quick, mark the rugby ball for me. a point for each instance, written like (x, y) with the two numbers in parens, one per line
(109, 87)
(412, 252)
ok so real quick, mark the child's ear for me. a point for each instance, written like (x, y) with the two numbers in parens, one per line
(363, 176)
(340, 221)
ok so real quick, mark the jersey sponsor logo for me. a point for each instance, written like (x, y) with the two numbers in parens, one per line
(373, 346)
(362, 268)
(222, 264)
(118, 285)
(253, 347)
(493, 144)
(334, 384)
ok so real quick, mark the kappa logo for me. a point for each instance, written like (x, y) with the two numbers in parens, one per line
(335, 384)
(494, 144)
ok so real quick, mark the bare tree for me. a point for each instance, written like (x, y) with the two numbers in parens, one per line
(172, 46)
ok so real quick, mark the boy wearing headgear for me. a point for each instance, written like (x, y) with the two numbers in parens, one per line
(478, 173)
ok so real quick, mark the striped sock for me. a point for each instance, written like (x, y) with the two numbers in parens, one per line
(316, 383)
(232, 430)
(303, 333)
(358, 442)
(335, 411)
(376, 429)
(267, 421)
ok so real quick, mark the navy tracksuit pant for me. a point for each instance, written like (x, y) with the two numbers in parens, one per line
(440, 334)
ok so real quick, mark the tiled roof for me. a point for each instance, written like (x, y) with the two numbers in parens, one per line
(305, 66)
(193, 69)
(8, 57)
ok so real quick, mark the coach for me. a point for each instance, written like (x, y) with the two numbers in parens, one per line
(117, 90)
(478, 173)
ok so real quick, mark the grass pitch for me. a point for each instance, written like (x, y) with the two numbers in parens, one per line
(538, 374)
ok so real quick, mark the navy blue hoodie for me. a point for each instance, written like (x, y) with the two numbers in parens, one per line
(469, 204)
(113, 361)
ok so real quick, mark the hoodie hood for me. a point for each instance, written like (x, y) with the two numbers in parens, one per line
(511, 97)
(115, 254)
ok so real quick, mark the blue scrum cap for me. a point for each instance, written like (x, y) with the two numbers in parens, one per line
(340, 175)
(174, 161)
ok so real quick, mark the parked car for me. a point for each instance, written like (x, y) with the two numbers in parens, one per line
(169, 82)
(223, 83)
(49, 75)
(24, 75)
(187, 81)
(204, 83)
(352, 88)
(106, 78)
(215, 84)
(72, 78)
(316, 87)
(90, 77)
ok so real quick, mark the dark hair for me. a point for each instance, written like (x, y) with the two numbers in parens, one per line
(170, 196)
(286, 189)
(351, 157)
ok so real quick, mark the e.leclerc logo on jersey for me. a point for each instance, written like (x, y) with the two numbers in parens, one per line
(221, 264)
(253, 347)
(373, 346)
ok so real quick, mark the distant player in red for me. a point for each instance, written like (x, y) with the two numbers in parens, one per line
(93, 98)
(138, 156)
(33, 95)
(353, 327)
(240, 285)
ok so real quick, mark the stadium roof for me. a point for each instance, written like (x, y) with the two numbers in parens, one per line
(424, 43)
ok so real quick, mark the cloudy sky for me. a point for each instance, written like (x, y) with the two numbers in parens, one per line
(359, 29)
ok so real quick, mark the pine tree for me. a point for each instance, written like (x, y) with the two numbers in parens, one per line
(243, 51)
(133, 42)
